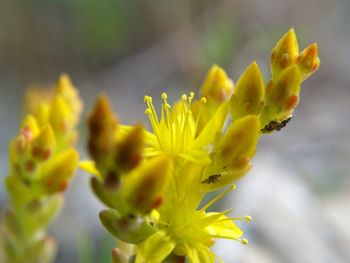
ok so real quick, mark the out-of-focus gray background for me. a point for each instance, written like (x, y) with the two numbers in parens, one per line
(298, 191)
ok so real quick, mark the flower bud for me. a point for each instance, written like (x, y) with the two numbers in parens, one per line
(308, 61)
(66, 89)
(282, 94)
(39, 217)
(248, 96)
(129, 150)
(144, 188)
(102, 127)
(44, 143)
(284, 54)
(110, 196)
(46, 249)
(238, 144)
(217, 86)
(118, 256)
(130, 228)
(58, 172)
(60, 116)
(29, 128)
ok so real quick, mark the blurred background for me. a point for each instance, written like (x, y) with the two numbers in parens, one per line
(298, 192)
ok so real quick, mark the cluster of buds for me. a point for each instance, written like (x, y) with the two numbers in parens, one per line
(42, 162)
(130, 187)
(154, 182)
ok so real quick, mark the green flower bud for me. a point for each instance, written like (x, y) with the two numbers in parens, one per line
(284, 54)
(57, 173)
(144, 187)
(308, 61)
(248, 96)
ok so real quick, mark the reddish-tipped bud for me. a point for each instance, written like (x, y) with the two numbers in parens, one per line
(44, 144)
(308, 61)
(238, 145)
(129, 150)
(282, 95)
(102, 127)
(285, 53)
(217, 86)
(119, 256)
(144, 188)
(58, 172)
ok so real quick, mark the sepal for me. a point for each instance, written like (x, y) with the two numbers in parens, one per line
(130, 228)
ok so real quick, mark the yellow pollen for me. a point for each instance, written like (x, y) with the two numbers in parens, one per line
(203, 100)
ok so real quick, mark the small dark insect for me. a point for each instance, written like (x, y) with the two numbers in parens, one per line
(275, 125)
(212, 179)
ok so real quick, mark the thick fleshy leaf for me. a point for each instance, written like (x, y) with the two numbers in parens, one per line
(109, 194)
(130, 228)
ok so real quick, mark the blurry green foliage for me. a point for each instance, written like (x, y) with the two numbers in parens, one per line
(219, 43)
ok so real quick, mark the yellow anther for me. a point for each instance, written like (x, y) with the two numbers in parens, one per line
(184, 97)
(244, 241)
(191, 95)
(148, 111)
(164, 96)
(248, 218)
(147, 99)
(203, 100)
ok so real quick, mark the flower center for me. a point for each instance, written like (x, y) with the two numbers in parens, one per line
(176, 129)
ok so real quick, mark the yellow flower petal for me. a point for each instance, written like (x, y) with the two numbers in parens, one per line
(89, 167)
(155, 248)
(213, 127)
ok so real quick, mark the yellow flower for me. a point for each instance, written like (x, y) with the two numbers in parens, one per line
(185, 231)
(175, 132)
